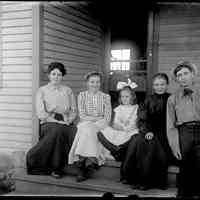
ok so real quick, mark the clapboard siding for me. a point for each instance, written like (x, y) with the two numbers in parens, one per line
(16, 76)
(179, 36)
(75, 38)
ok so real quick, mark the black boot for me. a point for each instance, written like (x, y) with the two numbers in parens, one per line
(81, 175)
(108, 145)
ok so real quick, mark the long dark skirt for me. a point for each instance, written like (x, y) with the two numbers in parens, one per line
(51, 152)
(145, 162)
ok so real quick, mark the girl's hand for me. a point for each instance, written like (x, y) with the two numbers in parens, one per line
(149, 136)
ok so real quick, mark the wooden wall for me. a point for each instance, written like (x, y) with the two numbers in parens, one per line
(73, 36)
(179, 35)
(16, 76)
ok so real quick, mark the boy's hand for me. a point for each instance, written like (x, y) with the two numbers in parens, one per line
(149, 136)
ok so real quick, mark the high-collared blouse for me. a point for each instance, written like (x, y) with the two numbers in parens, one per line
(180, 109)
(51, 99)
(94, 107)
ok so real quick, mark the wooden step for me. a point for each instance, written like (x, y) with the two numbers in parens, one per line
(111, 170)
(95, 186)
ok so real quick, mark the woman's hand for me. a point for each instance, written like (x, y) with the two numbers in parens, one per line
(118, 127)
(149, 136)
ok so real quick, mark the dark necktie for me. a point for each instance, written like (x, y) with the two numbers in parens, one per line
(187, 92)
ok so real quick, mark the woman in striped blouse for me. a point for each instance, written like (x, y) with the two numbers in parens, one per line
(95, 113)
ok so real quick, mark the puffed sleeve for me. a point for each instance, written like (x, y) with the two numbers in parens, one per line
(172, 132)
(73, 108)
(107, 108)
(40, 106)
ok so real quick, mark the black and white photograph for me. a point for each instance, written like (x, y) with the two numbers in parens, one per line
(100, 99)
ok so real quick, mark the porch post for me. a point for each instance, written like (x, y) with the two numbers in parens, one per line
(37, 18)
(152, 47)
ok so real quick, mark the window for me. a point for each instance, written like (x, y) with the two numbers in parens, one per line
(120, 60)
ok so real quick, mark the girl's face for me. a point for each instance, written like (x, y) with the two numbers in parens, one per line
(125, 96)
(160, 85)
(94, 84)
(55, 76)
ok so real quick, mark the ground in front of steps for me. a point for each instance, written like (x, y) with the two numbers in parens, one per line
(67, 186)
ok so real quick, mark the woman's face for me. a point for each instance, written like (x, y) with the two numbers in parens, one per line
(160, 85)
(125, 96)
(94, 83)
(55, 76)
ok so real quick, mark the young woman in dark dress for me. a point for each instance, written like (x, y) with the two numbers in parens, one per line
(56, 110)
(148, 156)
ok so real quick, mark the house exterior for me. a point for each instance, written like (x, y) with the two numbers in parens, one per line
(33, 34)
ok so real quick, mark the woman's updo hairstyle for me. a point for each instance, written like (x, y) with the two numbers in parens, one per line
(161, 76)
(94, 73)
(57, 65)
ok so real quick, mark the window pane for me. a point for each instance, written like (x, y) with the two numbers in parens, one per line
(126, 54)
(115, 66)
(125, 65)
(116, 55)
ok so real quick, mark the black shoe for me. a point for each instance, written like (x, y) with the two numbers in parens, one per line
(90, 170)
(80, 178)
(124, 181)
(135, 186)
(144, 187)
(56, 175)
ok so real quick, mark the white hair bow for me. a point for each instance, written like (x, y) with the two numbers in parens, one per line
(121, 84)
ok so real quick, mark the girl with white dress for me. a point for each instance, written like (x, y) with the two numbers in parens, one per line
(94, 109)
(125, 117)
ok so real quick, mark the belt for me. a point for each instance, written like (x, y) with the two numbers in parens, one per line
(193, 123)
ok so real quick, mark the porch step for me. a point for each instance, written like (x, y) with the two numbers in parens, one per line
(96, 186)
(111, 171)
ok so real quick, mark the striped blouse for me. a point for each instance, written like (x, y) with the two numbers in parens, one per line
(94, 107)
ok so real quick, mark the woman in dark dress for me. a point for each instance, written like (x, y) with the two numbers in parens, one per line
(56, 110)
(148, 156)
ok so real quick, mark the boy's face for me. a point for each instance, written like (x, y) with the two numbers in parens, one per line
(94, 83)
(185, 77)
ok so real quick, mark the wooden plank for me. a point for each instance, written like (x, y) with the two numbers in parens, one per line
(179, 53)
(15, 137)
(177, 40)
(62, 19)
(67, 40)
(17, 84)
(16, 45)
(76, 17)
(15, 114)
(15, 122)
(16, 68)
(17, 38)
(10, 2)
(59, 48)
(17, 15)
(16, 30)
(70, 57)
(16, 91)
(16, 107)
(15, 145)
(17, 53)
(69, 64)
(75, 32)
(15, 99)
(179, 20)
(16, 61)
(17, 22)
(16, 7)
(178, 47)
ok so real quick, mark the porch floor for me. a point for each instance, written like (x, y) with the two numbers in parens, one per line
(67, 186)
